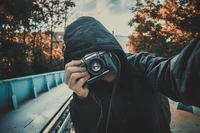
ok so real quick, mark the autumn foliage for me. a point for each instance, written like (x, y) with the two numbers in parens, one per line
(164, 28)
(26, 36)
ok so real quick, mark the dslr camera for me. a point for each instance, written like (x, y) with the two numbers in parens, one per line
(98, 65)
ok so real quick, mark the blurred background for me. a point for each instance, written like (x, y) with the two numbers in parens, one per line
(31, 31)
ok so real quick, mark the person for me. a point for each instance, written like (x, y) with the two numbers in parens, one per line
(135, 97)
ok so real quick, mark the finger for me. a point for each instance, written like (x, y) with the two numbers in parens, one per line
(78, 88)
(67, 70)
(75, 77)
(81, 81)
(70, 70)
(73, 63)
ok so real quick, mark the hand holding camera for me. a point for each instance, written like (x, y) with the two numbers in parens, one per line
(92, 67)
(75, 77)
(98, 64)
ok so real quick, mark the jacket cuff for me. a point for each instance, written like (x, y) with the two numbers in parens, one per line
(82, 100)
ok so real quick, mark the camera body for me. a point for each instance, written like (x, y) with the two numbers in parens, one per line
(98, 65)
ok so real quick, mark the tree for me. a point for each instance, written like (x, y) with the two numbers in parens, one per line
(30, 26)
(14, 18)
(55, 13)
(164, 29)
(13, 58)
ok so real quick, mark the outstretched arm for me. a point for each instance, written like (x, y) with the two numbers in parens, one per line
(177, 77)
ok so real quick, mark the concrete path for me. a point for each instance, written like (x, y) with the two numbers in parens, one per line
(184, 122)
(34, 114)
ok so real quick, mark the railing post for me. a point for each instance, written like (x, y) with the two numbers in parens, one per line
(13, 97)
(59, 76)
(34, 89)
(63, 77)
(55, 79)
(47, 84)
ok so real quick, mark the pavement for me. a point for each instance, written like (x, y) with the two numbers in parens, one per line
(34, 114)
(183, 121)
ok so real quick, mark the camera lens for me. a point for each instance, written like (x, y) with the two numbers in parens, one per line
(96, 66)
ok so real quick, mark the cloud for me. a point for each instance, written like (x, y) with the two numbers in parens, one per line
(116, 23)
(90, 6)
(113, 14)
(122, 6)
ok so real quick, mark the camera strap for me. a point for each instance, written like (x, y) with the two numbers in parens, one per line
(96, 99)
(113, 92)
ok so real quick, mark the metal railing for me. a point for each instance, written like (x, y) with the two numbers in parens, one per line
(17, 90)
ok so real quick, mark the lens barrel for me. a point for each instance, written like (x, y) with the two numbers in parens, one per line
(96, 66)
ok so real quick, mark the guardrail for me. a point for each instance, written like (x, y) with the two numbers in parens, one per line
(17, 90)
(188, 108)
(61, 122)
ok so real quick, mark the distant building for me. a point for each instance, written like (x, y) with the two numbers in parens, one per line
(58, 36)
(123, 41)
(58, 42)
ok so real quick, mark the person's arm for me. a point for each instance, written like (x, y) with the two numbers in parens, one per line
(177, 77)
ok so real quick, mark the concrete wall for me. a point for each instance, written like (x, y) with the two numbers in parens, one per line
(17, 90)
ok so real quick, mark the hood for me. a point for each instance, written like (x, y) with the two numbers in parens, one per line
(85, 35)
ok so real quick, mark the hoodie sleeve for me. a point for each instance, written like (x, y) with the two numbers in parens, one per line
(85, 114)
(177, 77)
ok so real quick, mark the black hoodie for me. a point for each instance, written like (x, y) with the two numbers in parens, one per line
(139, 104)
(86, 35)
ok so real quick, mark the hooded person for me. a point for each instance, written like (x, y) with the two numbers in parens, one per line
(135, 100)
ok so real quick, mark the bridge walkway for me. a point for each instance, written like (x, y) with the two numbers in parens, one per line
(34, 114)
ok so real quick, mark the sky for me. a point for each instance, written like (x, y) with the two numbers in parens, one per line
(113, 14)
